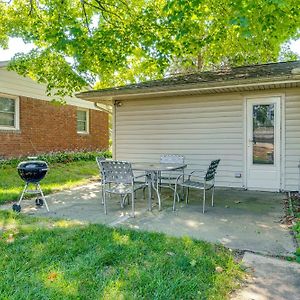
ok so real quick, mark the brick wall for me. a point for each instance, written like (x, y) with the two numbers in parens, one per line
(45, 127)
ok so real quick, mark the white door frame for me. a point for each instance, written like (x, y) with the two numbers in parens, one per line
(281, 134)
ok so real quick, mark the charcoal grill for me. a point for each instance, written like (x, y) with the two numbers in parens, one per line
(32, 172)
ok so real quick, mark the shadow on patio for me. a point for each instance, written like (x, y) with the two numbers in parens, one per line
(244, 220)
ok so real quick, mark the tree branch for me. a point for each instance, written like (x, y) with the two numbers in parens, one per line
(31, 7)
(85, 16)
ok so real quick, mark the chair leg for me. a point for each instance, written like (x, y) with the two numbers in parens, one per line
(104, 203)
(122, 202)
(102, 194)
(144, 194)
(187, 195)
(203, 208)
(174, 198)
(132, 203)
(182, 188)
(212, 196)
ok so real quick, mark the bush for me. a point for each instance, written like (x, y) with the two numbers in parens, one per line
(60, 157)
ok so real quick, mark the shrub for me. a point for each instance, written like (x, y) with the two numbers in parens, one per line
(60, 157)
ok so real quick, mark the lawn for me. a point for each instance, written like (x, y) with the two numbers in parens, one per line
(50, 259)
(60, 176)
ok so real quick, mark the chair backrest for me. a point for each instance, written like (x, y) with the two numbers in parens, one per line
(212, 169)
(115, 171)
(98, 160)
(172, 159)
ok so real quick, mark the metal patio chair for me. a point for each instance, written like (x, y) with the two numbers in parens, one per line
(200, 180)
(99, 159)
(118, 179)
(169, 178)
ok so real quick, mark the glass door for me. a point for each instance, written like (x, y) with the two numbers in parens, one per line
(263, 143)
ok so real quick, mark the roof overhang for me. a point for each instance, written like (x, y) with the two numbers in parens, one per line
(108, 97)
(4, 64)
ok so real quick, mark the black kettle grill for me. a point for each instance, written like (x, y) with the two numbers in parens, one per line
(32, 172)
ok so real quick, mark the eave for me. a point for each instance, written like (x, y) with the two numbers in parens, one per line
(108, 97)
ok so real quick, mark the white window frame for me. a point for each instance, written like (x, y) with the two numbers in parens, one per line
(17, 113)
(87, 113)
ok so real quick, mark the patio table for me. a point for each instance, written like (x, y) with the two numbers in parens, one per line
(152, 171)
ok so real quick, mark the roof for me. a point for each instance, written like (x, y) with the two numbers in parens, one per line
(12, 83)
(207, 82)
(4, 64)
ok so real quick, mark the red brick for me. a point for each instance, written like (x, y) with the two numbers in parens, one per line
(45, 127)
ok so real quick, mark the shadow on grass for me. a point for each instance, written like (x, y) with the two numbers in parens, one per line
(45, 259)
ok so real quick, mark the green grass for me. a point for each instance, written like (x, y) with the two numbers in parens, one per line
(59, 177)
(48, 259)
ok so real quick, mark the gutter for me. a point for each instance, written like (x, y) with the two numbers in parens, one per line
(96, 96)
(102, 107)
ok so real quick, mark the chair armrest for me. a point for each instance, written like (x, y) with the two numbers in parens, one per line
(139, 176)
(177, 179)
(197, 173)
(143, 175)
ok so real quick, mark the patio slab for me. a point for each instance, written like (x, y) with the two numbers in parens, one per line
(271, 279)
(82, 204)
(243, 220)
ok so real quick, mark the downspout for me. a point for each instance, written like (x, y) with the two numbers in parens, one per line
(114, 132)
(299, 177)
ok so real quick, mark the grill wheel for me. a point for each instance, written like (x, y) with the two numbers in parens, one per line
(39, 202)
(16, 208)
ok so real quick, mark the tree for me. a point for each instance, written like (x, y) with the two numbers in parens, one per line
(114, 42)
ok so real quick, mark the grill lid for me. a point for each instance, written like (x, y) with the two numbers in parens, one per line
(33, 165)
(32, 171)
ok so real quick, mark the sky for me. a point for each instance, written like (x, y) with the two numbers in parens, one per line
(16, 45)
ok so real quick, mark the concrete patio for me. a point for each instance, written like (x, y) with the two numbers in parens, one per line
(244, 220)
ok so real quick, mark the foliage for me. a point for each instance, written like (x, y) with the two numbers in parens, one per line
(296, 229)
(61, 176)
(118, 42)
(295, 207)
(60, 157)
(48, 259)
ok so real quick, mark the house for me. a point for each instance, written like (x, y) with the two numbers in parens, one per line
(248, 116)
(30, 123)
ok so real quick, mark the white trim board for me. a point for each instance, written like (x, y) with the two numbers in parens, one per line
(14, 84)
(16, 114)
(270, 175)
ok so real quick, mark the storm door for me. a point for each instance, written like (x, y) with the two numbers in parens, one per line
(263, 143)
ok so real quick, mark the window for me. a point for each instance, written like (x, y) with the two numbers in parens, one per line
(82, 121)
(9, 113)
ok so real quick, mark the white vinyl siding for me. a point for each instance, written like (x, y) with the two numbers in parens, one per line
(13, 84)
(201, 128)
(9, 112)
(292, 134)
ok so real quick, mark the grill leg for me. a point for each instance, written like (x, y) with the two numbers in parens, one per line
(43, 196)
(22, 195)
